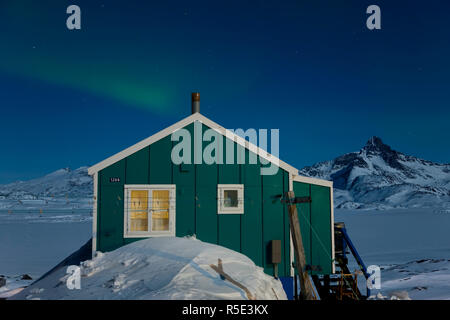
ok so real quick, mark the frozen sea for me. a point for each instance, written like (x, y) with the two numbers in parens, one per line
(411, 246)
(32, 243)
(398, 235)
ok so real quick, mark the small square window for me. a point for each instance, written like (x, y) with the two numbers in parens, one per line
(230, 198)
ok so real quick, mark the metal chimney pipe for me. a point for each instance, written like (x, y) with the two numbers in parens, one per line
(195, 102)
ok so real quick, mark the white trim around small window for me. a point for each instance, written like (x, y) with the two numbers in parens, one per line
(230, 198)
(149, 210)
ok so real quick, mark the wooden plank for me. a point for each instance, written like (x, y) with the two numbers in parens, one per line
(306, 288)
(219, 270)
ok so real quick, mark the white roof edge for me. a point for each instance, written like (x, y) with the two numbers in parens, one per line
(248, 145)
(141, 145)
(181, 124)
(315, 181)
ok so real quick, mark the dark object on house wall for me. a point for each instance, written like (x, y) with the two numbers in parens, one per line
(276, 251)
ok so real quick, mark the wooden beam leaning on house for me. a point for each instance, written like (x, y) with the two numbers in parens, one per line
(306, 287)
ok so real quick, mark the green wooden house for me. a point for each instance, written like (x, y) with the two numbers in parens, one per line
(141, 192)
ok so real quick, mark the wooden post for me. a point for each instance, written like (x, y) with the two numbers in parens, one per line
(295, 287)
(219, 270)
(306, 288)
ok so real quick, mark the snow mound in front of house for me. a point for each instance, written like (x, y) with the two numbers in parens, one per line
(161, 268)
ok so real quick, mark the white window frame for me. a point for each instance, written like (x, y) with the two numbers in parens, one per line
(220, 196)
(172, 210)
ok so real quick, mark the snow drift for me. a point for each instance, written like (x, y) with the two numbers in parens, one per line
(160, 268)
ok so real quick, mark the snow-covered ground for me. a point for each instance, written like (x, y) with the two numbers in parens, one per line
(411, 246)
(161, 268)
(47, 216)
(14, 285)
(421, 279)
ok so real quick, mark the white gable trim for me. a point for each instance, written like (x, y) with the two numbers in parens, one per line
(141, 145)
(227, 133)
(94, 215)
(248, 145)
(333, 256)
(315, 181)
(181, 124)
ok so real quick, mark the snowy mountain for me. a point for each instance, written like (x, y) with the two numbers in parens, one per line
(379, 177)
(62, 189)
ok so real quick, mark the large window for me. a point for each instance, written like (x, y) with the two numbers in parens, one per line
(149, 210)
(230, 198)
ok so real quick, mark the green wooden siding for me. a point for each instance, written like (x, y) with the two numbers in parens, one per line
(229, 224)
(320, 234)
(110, 222)
(304, 217)
(265, 217)
(273, 219)
(137, 169)
(206, 201)
(161, 162)
(315, 225)
(136, 172)
(287, 233)
(183, 177)
(251, 222)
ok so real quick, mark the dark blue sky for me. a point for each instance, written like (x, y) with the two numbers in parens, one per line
(310, 68)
